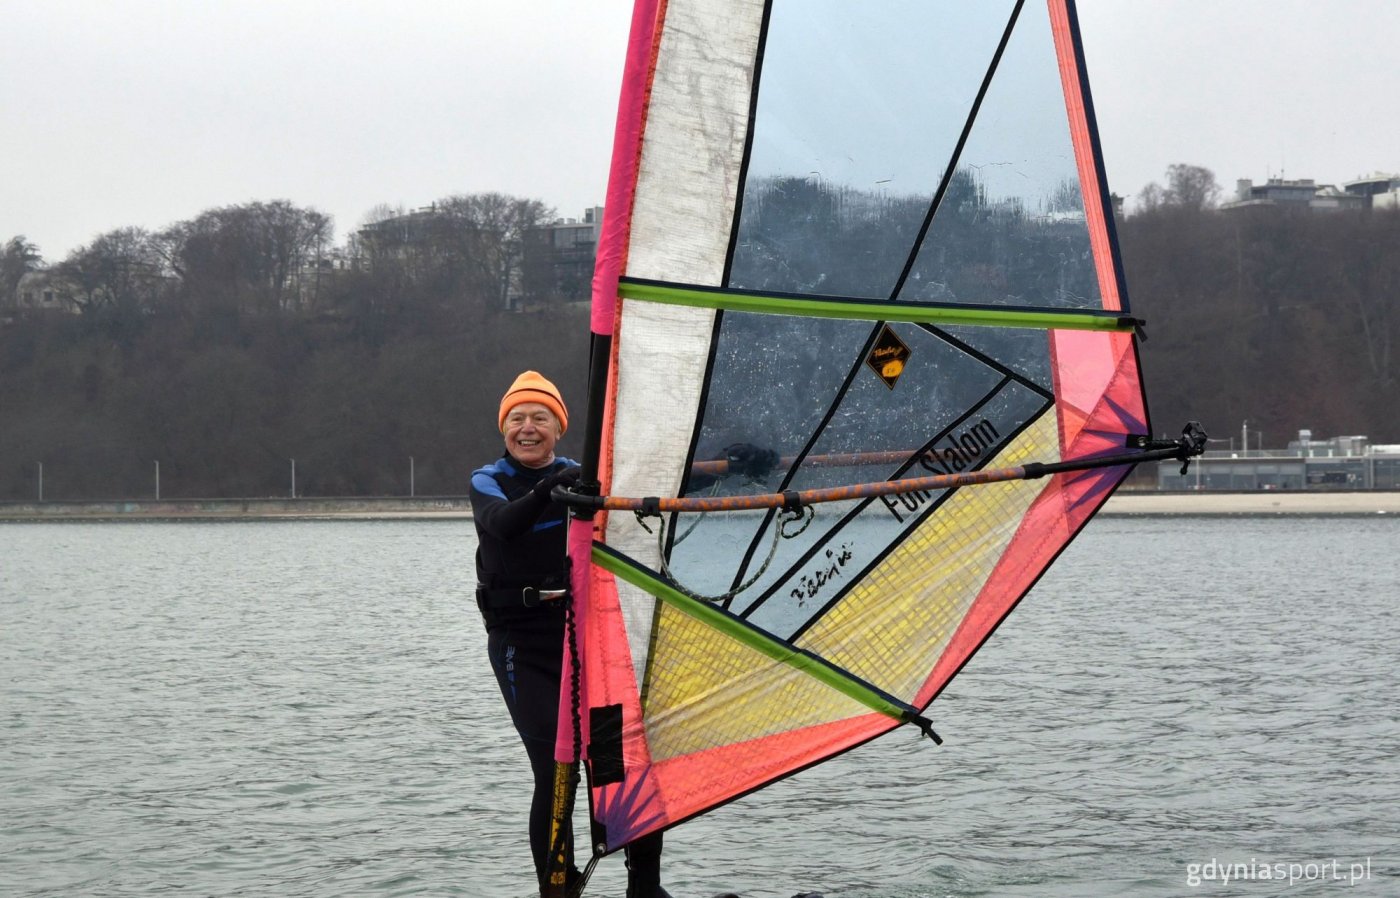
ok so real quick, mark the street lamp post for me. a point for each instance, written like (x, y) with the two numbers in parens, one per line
(157, 480)
(294, 478)
(41, 481)
(411, 486)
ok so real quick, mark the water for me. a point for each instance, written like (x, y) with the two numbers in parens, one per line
(305, 709)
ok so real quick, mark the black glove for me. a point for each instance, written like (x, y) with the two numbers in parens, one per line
(567, 477)
(752, 461)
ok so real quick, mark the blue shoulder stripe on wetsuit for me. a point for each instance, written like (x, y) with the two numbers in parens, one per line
(484, 483)
(484, 478)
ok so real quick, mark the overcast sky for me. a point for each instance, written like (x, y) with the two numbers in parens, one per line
(148, 112)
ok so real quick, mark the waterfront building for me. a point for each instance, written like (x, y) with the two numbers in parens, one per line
(1338, 463)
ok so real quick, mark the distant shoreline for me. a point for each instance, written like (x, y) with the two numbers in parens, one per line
(1255, 502)
(239, 509)
(1209, 503)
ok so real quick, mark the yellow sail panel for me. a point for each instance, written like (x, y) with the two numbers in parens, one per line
(705, 689)
(892, 627)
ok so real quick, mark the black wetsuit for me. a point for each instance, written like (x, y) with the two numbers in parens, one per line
(522, 544)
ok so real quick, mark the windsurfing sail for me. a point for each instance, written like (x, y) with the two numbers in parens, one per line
(875, 242)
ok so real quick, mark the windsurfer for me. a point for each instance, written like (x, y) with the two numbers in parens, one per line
(522, 573)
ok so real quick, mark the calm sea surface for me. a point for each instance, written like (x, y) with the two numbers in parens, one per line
(305, 709)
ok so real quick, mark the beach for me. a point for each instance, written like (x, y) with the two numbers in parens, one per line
(1257, 502)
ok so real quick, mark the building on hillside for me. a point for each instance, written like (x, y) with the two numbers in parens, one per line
(446, 255)
(396, 232)
(42, 290)
(122, 284)
(1380, 190)
(311, 282)
(1332, 199)
(1373, 191)
(1304, 193)
(545, 265)
(558, 264)
(1339, 463)
(1273, 192)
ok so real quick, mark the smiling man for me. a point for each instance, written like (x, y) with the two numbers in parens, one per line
(522, 575)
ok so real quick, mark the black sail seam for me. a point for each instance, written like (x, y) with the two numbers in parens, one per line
(957, 154)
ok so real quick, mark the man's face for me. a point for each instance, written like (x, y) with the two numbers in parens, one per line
(531, 432)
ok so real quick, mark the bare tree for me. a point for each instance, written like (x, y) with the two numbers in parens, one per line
(1150, 197)
(462, 255)
(491, 230)
(1188, 187)
(256, 257)
(17, 258)
(121, 272)
(1191, 187)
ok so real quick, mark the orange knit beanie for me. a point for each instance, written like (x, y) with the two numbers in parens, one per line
(532, 386)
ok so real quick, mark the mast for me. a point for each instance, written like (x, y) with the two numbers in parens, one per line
(611, 254)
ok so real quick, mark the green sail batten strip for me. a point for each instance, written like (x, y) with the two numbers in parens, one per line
(874, 310)
(773, 648)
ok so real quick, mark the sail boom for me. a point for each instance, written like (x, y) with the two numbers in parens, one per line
(1190, 446)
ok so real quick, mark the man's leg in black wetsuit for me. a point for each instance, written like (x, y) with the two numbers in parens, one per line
(644, 868)
(527, 667)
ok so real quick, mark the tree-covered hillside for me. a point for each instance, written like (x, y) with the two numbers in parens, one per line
(226, 346)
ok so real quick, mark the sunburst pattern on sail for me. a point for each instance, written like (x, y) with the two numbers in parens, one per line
(873, 242)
